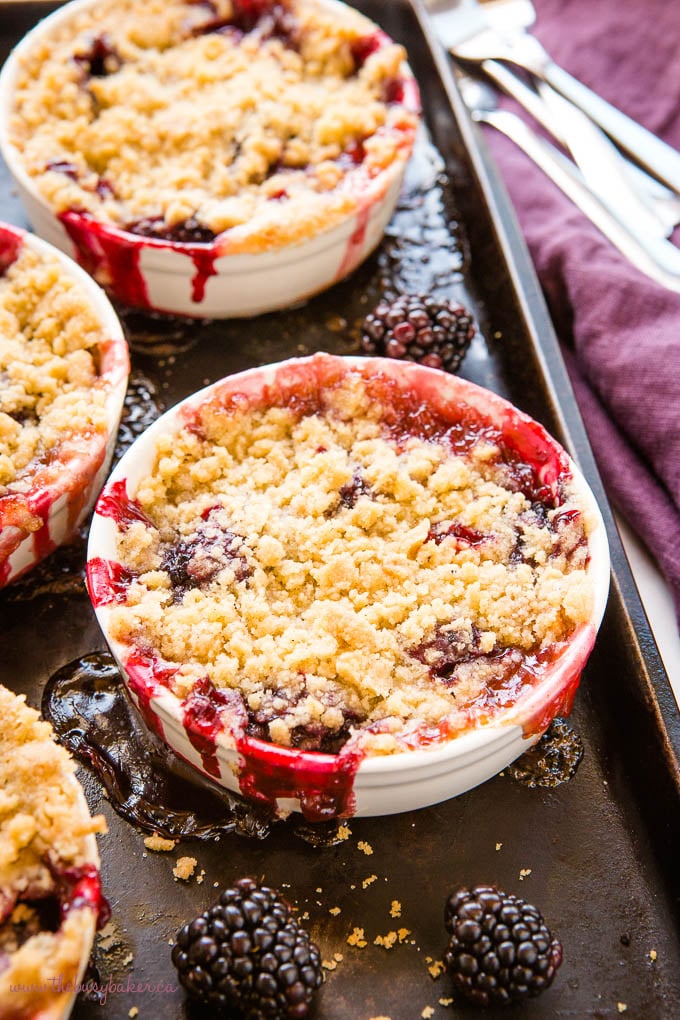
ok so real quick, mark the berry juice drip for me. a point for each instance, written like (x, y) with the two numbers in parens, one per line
(86, 703)
(147, 785)
(552, 761)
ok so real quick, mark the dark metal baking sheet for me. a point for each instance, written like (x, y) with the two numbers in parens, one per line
(597, 854)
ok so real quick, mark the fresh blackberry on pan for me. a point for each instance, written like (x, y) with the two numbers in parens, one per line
(500, 950)
(247, 953)
(419, 328)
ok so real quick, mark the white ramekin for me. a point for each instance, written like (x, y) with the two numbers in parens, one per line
(203, 280)
(322, 785)
(66, 500)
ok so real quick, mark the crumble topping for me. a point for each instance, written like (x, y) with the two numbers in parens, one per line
(44, 830)
(48, 367)
(348, 582)
(182, 120)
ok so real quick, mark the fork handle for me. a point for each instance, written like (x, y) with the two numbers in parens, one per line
(655, 156)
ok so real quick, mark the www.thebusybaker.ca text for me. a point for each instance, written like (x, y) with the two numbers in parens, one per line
(57, 985)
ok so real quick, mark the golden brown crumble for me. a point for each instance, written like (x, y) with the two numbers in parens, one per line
(436, 968)
(184, 868)
(145, 112)
(48, 365)
(44, 825)
(306, 561)
(356, 938)
(159, 844)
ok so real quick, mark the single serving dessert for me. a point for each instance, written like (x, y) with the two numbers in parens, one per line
(344, 560)
(63, 372)
(50, 894)
(223, 127)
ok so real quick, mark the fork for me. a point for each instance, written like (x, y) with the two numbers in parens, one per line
(512, 44)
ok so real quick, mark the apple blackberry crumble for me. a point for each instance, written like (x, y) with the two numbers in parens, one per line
(52, 401)
(335, 559)
(50, 896)
(180, 120)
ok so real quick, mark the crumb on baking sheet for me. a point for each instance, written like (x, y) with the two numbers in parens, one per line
(436, 968)
(395, 908)
(386, 941)
(621, 1007)
(444, 1001)
(133, 1012)
(184, 868)
(653, 955)
(427, 1013)
(365, 847)
(369, 881)
(343, 833)
(335, 911)
(332, 964)
(524, 873)
(499, 846)
(392, 938)
(158, 843)
(201, 876)
(356, 938)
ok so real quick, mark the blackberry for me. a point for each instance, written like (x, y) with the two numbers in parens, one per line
(500, 950)
(248, 953)
(418, 328)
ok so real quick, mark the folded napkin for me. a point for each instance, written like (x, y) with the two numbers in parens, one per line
(620, 332)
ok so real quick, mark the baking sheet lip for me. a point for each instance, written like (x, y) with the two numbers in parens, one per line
(539, 327)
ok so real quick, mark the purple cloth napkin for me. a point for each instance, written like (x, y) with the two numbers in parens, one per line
(620, 332)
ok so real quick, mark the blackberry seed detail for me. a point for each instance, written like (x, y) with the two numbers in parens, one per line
(247, 952)
(500, 950)
(419, 328)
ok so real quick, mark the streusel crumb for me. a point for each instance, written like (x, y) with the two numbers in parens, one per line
(349, 582)
(184, 120)
(184, 868)
(159, 844)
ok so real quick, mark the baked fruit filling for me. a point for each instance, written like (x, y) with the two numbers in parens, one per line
(50, 895)
(181, 120)
(338, 563)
